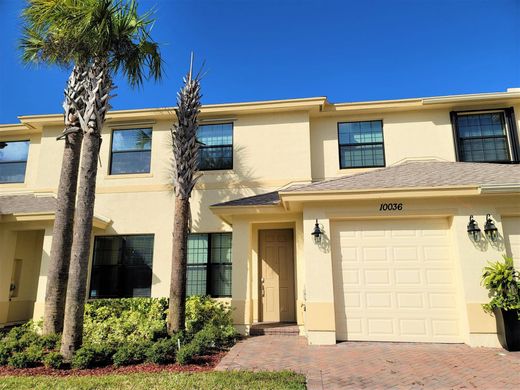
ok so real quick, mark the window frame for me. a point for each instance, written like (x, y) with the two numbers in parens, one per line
(26, 161)
(202, 146)
(136, 151)
(511, 134)
(119, 265)
(365, 143)
(208, 264)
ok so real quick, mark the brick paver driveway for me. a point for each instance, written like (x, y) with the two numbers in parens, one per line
(359, 365)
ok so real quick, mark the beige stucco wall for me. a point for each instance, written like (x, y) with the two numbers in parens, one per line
(19, 242)
(409, 134)
(417, 134)
(478, 328)
(143, 203)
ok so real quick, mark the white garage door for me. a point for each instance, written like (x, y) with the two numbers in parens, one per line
(511, 227)
(394, 280)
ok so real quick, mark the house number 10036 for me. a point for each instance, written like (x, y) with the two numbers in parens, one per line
(390, 206)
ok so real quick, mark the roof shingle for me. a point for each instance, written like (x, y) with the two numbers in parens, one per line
(416, 174)
(267, 199)
(421, 174)
(11, 204)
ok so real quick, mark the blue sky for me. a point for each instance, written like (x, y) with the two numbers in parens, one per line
(261, 50)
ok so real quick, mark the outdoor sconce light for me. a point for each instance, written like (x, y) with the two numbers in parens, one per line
(316, 233)
(473, 229)
(490, 229)
(3, 145)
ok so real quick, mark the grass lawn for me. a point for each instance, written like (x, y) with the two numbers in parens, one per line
(164, 380)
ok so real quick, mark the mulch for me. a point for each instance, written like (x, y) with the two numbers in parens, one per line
(201, 364)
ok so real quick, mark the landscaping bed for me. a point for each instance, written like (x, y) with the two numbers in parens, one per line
(125, 335)
(164, 380)
(200, 364)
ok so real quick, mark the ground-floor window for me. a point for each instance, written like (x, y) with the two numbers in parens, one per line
(209, 264)
(122, 266)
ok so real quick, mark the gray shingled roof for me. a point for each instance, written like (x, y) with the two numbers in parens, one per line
(10, 204)
(407, 175)
(421, 174)
(267, 199)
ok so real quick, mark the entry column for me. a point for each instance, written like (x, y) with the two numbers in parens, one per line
(319, 292)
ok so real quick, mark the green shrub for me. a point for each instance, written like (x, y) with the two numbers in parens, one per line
(50, 342)
(203, 311)
(5, 354)
(132, 353)
(21, 337)
(187, 352)
(89, 356)
(117, 322)
(53, 360)
(503, 282)
(163, 351)
(84, 357)
(31, 357)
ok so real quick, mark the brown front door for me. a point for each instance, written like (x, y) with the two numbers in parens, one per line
(277, 275)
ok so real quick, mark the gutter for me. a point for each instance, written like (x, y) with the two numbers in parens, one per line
(470, 97)
(500, 188)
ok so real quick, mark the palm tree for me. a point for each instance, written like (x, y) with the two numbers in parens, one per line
(58, 270)
(102, 37)
(38, 48)
(185, 154)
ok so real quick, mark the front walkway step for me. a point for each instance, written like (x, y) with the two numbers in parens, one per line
(274, 329)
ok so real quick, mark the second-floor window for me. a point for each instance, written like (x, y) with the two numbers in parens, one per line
(13, 161)
(122, 266)
(131, 151)
(216, 149)
(485, 136)
(209, 264)
(361, 144)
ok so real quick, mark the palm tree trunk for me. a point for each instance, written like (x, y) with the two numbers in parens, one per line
(77, 283)
(58, 269)
(99, 89)
(177, 308)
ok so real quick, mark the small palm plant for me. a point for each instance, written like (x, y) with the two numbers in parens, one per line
(100, 38)
(503, 282)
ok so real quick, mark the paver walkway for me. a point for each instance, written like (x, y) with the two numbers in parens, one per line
(367, 365)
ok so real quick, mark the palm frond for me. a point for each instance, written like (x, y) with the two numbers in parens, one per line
(184, 136)
(83, 31)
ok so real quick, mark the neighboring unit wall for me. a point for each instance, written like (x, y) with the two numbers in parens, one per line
(29, 253)
(270, 151)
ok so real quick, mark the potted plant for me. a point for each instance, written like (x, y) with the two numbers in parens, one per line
(503, 283)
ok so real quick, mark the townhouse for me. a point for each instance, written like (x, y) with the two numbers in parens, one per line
(356, 221)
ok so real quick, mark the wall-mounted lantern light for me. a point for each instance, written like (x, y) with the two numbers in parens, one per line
(473, 229)
(3, 145)
(317, 233)
(490, 229)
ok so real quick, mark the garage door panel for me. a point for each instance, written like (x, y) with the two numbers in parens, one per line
(396, 282)
(374, 254)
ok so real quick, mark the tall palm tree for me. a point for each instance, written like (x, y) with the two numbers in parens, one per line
(58, 271)
(102, 37)
(38, 48)
(185, 166)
